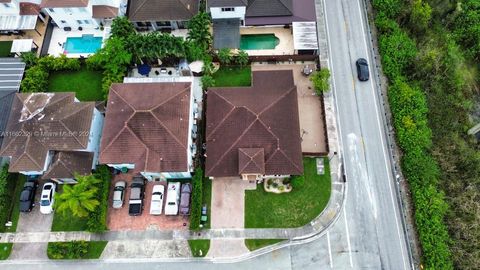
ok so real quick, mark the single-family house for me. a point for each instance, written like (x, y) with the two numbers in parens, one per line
(18, 15)
(82, 14)
(148, 129)
(52, 135)
(158, 15)
(230, 16)
(254, 132)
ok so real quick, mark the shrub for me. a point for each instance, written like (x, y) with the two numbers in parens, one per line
(297, 181)
(196, 206)
(398, 52)
(7, 189)
(225, 56)
(391, 8)
(122, 28)
(242, 58)
(97, 220)
(207, 81)
(199, 31)
(320, 81)
(35, 80)
(67, 250)
(29, 58)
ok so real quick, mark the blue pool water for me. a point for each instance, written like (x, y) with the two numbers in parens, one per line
(83, 44)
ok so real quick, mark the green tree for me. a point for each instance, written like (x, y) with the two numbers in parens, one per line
(122, 28)
(29, 58)
(79, 198)
(421, 15)
(242, 58)
(199, 30)
(320, 81)
(391, 8)
(225, 56)
(35, 80)
(207, 81)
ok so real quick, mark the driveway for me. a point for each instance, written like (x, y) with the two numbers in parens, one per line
(32, 222)
(119, 220)
(310, 107)
(228, 207)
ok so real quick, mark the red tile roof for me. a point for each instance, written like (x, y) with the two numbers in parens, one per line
(147, 124)
(63, 3)
(29, 9)
(102, 11)
(164, 10)
(65, 164)
(264, 116)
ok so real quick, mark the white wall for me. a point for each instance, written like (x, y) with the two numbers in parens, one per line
(123, 165)
(12, 9)
(217, 13)
(94, 136)
(70, 17)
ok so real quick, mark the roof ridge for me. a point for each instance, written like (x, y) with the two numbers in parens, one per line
(286, 156)
(120, 96)
(170, 98)
(71, 133)
(169, 131)
(278, 99)
(186, 8)
(226, 115)
(139, 7)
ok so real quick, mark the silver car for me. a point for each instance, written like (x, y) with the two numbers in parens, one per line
(118, 194)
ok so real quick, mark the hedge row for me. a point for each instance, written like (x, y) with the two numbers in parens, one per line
(97, 220)
(7, 190)
(409, 109)
(197, 194)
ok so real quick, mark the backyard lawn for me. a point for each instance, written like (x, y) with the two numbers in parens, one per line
(253, 244)
(87, 84)
(228, 76)
(5, 47)
(197, 246)
(289, 210)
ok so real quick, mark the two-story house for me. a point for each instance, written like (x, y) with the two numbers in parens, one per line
(19, 14)
(82, 14)
(52, 135)
(149, 129)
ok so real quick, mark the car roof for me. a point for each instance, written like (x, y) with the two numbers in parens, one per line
(120, 183)
(159, 188)
(25, 195)
(117, 195)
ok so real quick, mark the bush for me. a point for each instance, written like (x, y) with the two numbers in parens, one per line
(297, 181)
(35, 80)
(225, 56)
(199, 31)
(320, 81)
(67, 250)
(29, 58)
(97, 220)
(122, 28)
(207, 81)
(196, 205)
(7, 189)
(242, 58)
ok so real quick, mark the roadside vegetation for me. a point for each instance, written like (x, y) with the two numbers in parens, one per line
(199, 247)
(430, 54)
(294, 209)
(75, 250)
(320, 80)
(254, 244)
(201, 196)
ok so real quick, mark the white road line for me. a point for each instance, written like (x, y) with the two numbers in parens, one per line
(382, 139)
(348, 237)
(329, 250)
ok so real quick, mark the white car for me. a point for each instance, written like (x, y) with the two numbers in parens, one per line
(118, 194)
(47, 198)
(157, 200)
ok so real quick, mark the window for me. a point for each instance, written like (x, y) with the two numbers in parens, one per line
(63, 21)
(79, 21)
(228, 9)
(51, 10)
(166, 23)
(86, 21)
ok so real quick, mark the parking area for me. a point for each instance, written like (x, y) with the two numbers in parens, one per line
(310, 107)
(120, 220)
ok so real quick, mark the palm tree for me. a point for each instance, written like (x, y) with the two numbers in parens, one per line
(80, 198)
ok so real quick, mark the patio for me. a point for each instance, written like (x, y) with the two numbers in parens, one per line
(59, 38)
(285, 47)
(37, 34)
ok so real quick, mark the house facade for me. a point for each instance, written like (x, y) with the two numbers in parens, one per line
(83, 14)
(149, 129)
(20, 14)
(151, 15)
(52, 135)
(254, 132)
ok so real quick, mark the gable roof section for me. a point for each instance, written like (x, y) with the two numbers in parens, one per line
(41, 122)
(164, 10)
(63, 3)
(65, 164)
(265, 8)
(147, 124)
(264, 115)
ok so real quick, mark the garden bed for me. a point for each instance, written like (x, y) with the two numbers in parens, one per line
(293, 209)
(75, 250)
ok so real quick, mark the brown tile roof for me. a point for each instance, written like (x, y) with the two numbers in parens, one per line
(251, 161)
(42, 122)
(29, 9)
(164, 10)
(63, 3)
(67, 163)
(264, 115)
(147, 124)
(103, 11)
(5, 1)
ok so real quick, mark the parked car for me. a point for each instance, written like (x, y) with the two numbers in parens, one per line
(137, 189)
(362, 69)
(185, 199)
(173, 197)
(118, 194)
(47, 198)
(27, 196)
(156, 204)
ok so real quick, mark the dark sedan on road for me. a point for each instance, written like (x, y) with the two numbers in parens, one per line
(362, 69)
(27, 197)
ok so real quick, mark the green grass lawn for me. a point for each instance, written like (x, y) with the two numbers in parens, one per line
(207, 198)
(228, 76)
(289, 210)
(5, 250)
(5, 47)
(87, 84)
(59, 250)
(253, 244)
(199, 245)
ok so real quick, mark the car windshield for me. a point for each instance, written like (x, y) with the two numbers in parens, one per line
(44, 202)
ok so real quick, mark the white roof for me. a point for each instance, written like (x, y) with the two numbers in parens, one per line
(21, 45)
(18, 22)
(305, 36)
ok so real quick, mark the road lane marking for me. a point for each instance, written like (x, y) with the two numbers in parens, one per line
(381, 137)
(329, 249)
(348, 237)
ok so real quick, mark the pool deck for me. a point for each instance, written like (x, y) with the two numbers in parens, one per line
(285, 47)
(59, 37)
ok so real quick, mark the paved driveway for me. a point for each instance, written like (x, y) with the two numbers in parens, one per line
(228, 207)
(32, 222)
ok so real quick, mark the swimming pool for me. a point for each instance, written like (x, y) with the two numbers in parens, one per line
(258, 42)
(83, 44)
